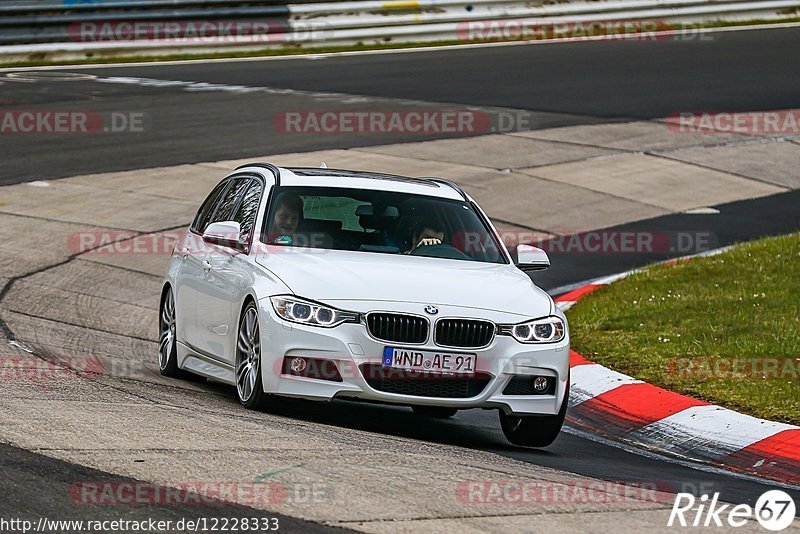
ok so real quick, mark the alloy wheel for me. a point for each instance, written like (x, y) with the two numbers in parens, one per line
(248, 354)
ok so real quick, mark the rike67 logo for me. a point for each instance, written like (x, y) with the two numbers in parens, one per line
(774, 510)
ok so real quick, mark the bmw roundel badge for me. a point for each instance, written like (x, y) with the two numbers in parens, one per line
(431, 310)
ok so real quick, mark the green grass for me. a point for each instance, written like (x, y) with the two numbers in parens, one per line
(725, 328)
(41, 59)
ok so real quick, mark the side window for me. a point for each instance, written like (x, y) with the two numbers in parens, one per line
(201, 219)
(248, 209)
(225, 207)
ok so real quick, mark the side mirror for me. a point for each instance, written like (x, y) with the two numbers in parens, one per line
(225, 233)
(531, 258)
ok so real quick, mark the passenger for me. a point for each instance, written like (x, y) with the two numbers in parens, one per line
(287, 217)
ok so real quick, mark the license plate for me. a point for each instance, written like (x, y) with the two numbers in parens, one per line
(430, 361)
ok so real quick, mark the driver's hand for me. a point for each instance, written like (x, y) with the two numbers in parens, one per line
(428, 241)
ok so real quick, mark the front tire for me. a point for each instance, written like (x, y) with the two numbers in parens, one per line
(167, 343)
(249, 389)
(534, 430)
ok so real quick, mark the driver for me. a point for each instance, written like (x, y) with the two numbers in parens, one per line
(428, 231)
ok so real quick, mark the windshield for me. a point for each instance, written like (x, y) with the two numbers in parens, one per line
(380, 222)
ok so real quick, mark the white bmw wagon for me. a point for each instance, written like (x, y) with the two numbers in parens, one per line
(318, 283)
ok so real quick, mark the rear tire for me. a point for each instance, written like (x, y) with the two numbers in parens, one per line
(534, 430)
(249, 388)
(437, 412)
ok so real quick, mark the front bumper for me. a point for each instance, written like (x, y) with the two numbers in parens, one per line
(350, 346)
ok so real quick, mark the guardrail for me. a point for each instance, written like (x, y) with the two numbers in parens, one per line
(152, 27)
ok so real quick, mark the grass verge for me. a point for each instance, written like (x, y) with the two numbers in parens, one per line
(725, 328)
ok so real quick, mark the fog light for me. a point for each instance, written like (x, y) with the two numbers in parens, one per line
(298, 365)
(540, 383)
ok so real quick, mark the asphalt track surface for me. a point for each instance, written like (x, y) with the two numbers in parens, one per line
(561, 84)
(582, 82)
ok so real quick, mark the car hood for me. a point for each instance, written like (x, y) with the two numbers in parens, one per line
(343, 275)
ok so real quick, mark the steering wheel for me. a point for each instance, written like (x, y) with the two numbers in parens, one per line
(441, 250)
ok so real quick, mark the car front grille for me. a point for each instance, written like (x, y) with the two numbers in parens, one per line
(398, 327)
(422, 384)
(464, 333)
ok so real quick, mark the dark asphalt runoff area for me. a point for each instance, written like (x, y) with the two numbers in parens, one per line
(563, 84)
(35, 486)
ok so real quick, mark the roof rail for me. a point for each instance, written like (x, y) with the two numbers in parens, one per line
(449, 183)
(276, 172)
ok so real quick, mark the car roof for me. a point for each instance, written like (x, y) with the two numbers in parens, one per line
(325, 177)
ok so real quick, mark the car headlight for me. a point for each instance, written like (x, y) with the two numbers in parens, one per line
(303, 311)
(548, 330)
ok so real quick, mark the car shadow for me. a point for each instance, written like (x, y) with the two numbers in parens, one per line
(473, 428)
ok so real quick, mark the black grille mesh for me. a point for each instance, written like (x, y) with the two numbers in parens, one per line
(464, 332)
(421, 384)
(398, 327)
